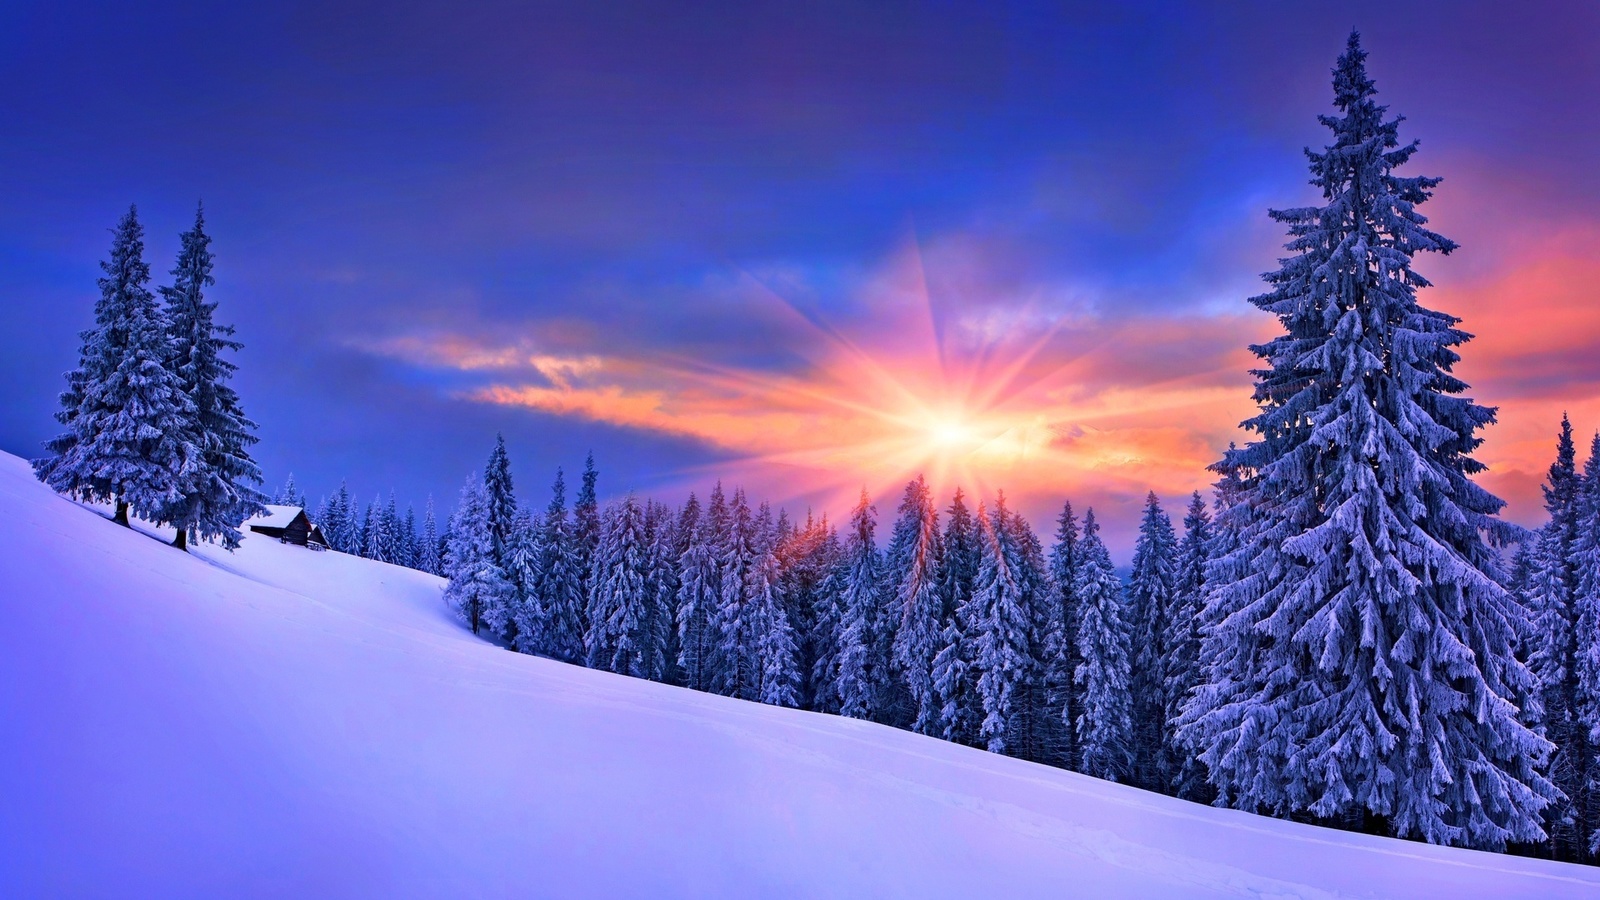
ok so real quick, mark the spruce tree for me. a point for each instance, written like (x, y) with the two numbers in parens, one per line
(774, 658)
(477, 584)
(289, 493)
(827, 618)
(428, 544)
(1183, 646)
(220, 494)
(128, 435)
(1387, 693)
(618, 618)
(502, 495)
(733, 669)
(1586, 630)
(559, 602)
(586, 526)
(917, 559)
(1104, 722)
(1553, 601)
(1151, 597)
(699, 587)
(659, 646)
(1000, 632)
(1060, 684)
(860, 674)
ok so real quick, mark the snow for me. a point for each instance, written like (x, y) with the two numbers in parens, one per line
(274, 517)
(277, 721)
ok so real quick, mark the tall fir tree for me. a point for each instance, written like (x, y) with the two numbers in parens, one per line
(288, 494)
(953, 677)
(699, 589)
(775, 662)
(733, 670)
(1183, 646)
(477, 585)
(1103, 725)
(128, 421)
(428, 542)
(860, 674)
(1555, 658)
(916, 558)
(618, 617)
(559, 599)
(1387, 693)
(1000, 631)
(1586, 570)
(1150, 595)
(1062, 693)
(586, 526)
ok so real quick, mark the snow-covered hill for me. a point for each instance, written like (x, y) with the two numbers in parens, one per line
(286, 723)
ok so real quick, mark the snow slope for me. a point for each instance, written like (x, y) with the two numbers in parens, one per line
(278, 722)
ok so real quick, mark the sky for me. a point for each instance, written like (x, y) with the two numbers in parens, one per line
(803, 248)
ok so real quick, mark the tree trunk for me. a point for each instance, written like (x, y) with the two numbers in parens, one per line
(182, 540)
(121, 517)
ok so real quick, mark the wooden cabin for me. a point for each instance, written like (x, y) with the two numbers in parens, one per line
(289, 524)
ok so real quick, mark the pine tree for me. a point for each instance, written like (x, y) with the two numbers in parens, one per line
(1586, 658)
(477, 584)
(1183, 646)
(1151, 597)
(586, 527)
(699, 590)
(661, 592)
(1062, 694)
(127, 418)
(827, 618)
(524, 554)
(1000, 632)
(287, 495)
(410, 553)
(618, 618)
(916, 560)
(954, 680)
(1553, 602)
(733, 669)
(375, 537)
(502, 496)
(860, 673)
(559, 591)
(429, 561)
(1104, 723)
(774, 659)
(1386, 692)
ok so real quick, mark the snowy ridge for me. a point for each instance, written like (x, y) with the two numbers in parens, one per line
(277, 721)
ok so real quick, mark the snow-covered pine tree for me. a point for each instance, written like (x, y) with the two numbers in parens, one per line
(477, 585)
(860, 672)
(391, 543)
(618, 617)
(699, 590)
(127, 418)
(1000, 632)
(1387, 693)
(410, 554)
(1061, 693)
(661, 590)
(827, 617)
(1586, 570)
(1150, 596)
(954, 680)
(523, 556)
(559, 585)
(428, 544)
(586, 527)
(374, 535)
(775, 665)
(1043, 737)
(335, 520)
(916, 556)
(288, 494)
(733, 669)
(1183, 646)
(1104, 723)
(1553, 601)
(497, 483)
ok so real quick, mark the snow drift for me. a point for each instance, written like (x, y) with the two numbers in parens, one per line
(283, 722)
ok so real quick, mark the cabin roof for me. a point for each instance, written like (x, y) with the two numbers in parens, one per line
(276, 517)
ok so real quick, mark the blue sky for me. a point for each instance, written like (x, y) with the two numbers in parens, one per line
(640, 184)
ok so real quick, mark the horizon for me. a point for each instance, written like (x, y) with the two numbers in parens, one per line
(1004, 249)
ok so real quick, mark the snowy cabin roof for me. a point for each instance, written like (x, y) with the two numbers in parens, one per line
(276, 517)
